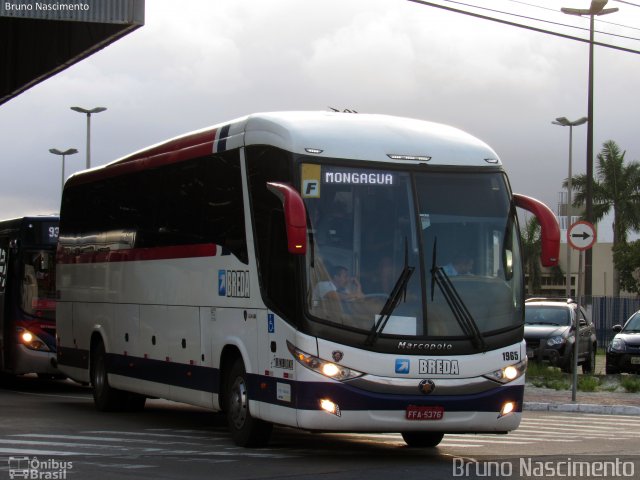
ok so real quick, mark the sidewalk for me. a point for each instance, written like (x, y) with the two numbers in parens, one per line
(611, 403)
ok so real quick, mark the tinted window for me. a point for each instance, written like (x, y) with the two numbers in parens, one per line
(192, 202)
(538, 315)
(3, 268)
(276, 265)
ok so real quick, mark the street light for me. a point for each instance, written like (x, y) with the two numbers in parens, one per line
(596, 8)
(564, 122)
(88, 113)
(69, 151)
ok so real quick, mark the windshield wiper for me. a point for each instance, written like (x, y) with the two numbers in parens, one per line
(394, 298)
(456, 304)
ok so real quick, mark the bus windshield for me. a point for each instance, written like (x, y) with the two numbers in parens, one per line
(412, 253)
(38, 284)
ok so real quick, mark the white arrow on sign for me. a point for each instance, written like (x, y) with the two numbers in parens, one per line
(581, 235)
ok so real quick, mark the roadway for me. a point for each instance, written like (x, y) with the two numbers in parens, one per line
(56, 423)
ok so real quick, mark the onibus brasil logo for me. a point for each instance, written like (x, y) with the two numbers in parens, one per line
(32, 468)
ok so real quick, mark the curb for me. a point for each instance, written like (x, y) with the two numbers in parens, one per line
(582, 408)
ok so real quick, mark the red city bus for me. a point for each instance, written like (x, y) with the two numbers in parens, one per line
(27, 295)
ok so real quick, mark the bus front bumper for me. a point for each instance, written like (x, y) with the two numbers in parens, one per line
(34, 361)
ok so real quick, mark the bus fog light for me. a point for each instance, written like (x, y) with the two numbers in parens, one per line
(328, 406)
(507, 408)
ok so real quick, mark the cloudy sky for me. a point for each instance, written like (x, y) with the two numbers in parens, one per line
(200, 62)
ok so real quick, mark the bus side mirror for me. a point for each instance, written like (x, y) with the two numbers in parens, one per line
(295, 216)
(550, 230)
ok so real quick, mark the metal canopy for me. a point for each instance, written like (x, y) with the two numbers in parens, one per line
(39, 39)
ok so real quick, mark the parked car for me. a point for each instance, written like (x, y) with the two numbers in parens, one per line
(623, 352)
(549, 326)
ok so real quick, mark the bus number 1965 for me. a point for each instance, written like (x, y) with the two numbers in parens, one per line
(510, 356)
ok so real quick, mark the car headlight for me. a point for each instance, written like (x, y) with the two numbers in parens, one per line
(31, 340)
(509, 373)
(323, 367)
(617, 345)
(555, 341)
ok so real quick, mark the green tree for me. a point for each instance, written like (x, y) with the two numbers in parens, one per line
(616, 188)
(531, 250)
(627, 258)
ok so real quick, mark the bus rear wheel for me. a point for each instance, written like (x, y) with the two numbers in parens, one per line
(246, 430)
(422, 439)
(105, 397)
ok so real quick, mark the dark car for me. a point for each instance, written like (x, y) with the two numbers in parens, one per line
(549, 332)
(623, 352)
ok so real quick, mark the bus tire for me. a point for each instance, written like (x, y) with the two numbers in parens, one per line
(106, 398)
(246, 431)
(422, 439)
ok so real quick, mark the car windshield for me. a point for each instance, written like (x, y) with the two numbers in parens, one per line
(540, 315)
(633, 324)
(38, 291)
(412, 254)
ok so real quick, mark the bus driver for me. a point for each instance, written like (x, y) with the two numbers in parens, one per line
(340, 287)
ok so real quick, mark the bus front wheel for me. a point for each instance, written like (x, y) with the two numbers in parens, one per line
(246, 431)
(422, 439)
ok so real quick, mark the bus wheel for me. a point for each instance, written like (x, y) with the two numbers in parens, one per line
(106, 399)
(246, 431)
(422, 439)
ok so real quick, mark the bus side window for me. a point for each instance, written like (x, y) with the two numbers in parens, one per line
(276, 265)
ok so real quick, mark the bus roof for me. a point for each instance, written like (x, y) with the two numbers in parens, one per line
(372, 137)
(19, 221)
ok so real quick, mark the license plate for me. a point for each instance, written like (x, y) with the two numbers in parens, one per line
(635, 360)
(415, 412)
(530, 353)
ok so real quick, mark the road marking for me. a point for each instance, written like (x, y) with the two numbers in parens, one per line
(26, 451)
(32, 394)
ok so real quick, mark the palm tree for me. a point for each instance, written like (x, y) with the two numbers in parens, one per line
(531, 249)
(616, 187)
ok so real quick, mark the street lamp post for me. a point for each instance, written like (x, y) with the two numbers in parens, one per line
(596, 8)
(88, 113)
(564, 122)
(69, 151)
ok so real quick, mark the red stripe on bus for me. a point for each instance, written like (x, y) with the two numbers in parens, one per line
(139, 254)
(153, 158)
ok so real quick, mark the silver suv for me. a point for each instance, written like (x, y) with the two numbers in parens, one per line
(549, 326)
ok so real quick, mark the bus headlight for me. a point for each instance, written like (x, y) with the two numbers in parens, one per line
(31, 340)
(509, 373)
(323, 367)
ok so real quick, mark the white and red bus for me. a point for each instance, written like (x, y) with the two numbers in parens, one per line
(27, 295)
(299, 269)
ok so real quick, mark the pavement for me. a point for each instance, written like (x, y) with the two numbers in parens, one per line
(608, 403)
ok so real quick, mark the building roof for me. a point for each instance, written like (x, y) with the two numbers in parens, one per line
(39, 39)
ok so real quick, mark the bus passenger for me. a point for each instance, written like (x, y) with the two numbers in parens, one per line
(462, 264)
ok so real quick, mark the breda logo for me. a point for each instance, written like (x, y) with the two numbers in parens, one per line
(233, 283)
(438, 366)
